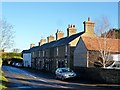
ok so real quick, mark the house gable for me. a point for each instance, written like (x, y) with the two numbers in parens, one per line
(80, 54)
(27, 59)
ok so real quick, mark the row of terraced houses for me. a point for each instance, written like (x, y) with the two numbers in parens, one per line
(74, 50)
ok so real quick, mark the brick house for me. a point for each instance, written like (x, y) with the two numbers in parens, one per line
(63, 51)
(87, 51)
(55, 53)
(27, 56)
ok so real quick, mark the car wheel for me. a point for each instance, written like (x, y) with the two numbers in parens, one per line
(62, 78)
(56, 77)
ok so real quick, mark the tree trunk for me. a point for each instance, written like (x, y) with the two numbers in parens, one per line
(0, 60)
(104, 63)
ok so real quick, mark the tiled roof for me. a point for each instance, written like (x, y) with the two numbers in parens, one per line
(111, 45)
(62, 41)
(66, 40)
(25, 51)
(31, 49)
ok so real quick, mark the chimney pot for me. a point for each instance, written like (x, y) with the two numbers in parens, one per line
(88, 18)
(71, 30)
(74, 26)
(68, 25)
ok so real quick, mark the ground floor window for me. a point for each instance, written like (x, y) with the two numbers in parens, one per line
(61, 64)
(98, 62)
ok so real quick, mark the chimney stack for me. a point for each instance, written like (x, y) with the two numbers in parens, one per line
(89, 26)
(59, 35)
(32, 45)
(50, 38)
(71, 30)
(42, 41)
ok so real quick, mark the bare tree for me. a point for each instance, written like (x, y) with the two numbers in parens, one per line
(16, 50)
(102, 26)
(6, 37)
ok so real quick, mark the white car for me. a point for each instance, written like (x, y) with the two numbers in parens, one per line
(18, 64)
(115, 65)
(64, 73)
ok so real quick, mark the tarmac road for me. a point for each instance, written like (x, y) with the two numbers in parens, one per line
(22, 78)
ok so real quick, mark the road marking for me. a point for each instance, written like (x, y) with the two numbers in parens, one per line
(42, 80)
(61, 86)
(36, 78)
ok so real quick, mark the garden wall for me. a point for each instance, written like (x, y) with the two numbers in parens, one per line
(98, 74)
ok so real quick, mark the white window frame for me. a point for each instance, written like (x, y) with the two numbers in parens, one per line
(43, 53)
(39, 53)
(65, 49)
(57, 50)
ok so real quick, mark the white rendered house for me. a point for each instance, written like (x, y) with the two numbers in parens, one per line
(26, 58)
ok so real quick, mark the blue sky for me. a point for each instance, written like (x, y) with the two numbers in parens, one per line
(33, 20)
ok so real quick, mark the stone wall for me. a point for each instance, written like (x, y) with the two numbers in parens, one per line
(98, 74)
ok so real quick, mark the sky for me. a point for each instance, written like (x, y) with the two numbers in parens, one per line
(34, 20)
(60, 0)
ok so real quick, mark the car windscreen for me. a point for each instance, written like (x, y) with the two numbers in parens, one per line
(67, 70)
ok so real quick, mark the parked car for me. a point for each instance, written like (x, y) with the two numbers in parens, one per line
(64, 73)
(115, 65)
(14, 63)
(18, 64)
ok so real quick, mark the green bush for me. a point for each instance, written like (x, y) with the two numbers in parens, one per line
(2, 79)
(12, 55)
(8, 58)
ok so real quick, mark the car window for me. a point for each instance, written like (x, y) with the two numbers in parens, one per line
(57, 70)
(114, 65)
(67, 70)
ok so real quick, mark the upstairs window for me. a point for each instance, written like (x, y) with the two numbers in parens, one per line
(39, 53)
(43, 53)
(66, 50)
(57, 51)
(33, 54)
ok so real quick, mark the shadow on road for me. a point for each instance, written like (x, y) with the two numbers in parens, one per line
(31, 79)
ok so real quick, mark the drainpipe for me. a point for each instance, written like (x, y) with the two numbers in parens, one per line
(68, 56)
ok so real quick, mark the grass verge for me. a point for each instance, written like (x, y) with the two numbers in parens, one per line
(3, 80)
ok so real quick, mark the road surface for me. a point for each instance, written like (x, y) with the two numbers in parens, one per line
(21, 78)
